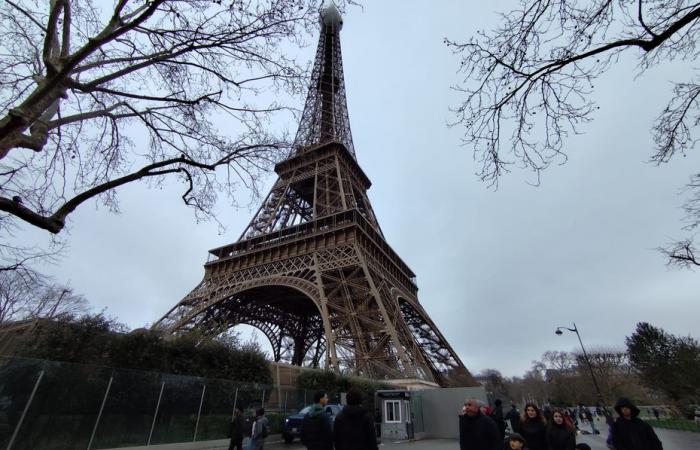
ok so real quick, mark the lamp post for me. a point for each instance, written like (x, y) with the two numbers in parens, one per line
(558, 332)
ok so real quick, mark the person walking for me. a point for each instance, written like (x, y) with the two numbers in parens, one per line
(629, 432)
(259, 430)
(513, 417)
(353, 428)
(561, 435)
(477, 431)
(236, 430)
(316, 428)
(533, 427)
(497, 416)
(591, 420)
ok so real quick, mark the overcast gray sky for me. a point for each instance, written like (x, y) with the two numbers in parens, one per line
(497, 270)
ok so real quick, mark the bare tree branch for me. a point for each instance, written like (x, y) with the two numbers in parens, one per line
(533, 75)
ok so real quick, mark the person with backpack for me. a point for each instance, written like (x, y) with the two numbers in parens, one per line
(316, 428)
(259, 431)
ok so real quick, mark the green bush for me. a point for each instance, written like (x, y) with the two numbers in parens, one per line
(333, 384)
(97, 340)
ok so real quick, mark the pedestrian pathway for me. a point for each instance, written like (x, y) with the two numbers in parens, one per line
(671, 440)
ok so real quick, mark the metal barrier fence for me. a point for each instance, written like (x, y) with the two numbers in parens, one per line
(47, 405)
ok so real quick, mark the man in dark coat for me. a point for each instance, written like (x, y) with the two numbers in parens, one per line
(477, 431)
(629, 432)
(513, 416)
(353, 428)
(497, 416)
(316, 428)
(236, 432)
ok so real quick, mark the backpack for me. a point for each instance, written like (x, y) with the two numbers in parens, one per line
(265, 429)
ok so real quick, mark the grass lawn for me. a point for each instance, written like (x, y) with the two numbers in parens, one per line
(675, 424)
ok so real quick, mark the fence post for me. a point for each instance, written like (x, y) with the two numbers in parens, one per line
(155, 414)
(199, 413)
(26, 408)
(235, 399)
(285, 402)
(99, 414)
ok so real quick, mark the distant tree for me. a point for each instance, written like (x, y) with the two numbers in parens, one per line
(568, 379)
(667, 363)
(529, 83)
(31, 297)
(494, 383)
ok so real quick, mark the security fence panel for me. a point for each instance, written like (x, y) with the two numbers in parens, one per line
(178, 410)
(18, 379)
(129, 409)
(217, 410)
(64, 410)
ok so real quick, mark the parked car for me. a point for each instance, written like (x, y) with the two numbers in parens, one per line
(291, 428)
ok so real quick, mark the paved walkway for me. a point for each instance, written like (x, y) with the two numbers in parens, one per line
(671, 439)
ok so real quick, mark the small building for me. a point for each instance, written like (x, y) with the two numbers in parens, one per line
(396, 414)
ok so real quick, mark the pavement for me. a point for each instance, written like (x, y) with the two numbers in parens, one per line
(671, 439)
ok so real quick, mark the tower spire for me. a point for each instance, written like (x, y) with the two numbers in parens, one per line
(325, 117)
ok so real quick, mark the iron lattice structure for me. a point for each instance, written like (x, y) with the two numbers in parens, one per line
(312, 270)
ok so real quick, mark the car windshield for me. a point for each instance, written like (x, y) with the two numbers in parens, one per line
(305, 410)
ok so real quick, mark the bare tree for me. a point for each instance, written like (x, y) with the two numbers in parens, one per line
(528, 82)
(93, 98)
(23, 297)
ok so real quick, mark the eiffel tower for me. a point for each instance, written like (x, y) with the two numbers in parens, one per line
(313, 270)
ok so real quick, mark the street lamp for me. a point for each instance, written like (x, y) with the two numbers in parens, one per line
(558, 332)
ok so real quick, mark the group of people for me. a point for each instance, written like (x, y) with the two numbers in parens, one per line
(483, 429)
(353, 428)
(258, 432)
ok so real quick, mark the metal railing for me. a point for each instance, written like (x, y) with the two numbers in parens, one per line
(48, 405)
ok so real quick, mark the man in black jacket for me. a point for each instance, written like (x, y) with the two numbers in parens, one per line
(477, 431)
(316, 428)
(353, 428)
(629, 432)
(236, 433)
(497, 416)
(513, 417)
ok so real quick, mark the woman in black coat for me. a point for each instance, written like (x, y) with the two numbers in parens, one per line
(560, 434)
(533, 428)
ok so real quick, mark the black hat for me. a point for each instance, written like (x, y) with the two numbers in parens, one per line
(628, 403)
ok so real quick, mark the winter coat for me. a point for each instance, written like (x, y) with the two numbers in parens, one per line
(236, 431)
(497, 416)
(353, 429)
(633, 433)
(534, 432)
(316, 429)
(560, 437)
(513, 417)
(478, 433)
